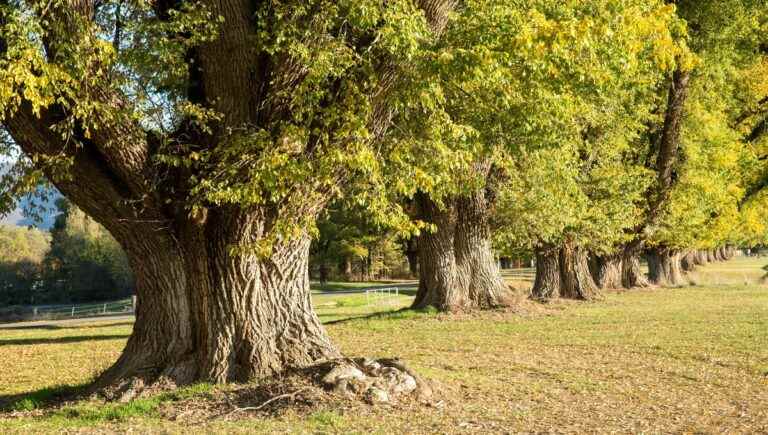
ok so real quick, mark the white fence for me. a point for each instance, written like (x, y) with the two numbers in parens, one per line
(382, 296)
(71, 311)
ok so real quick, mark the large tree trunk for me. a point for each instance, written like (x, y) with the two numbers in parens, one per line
(547, 283)
(688, 261)
(576, 280)
(711, 256)
(664, 267)
(457, 268)
(721, 254)
(701, 258)
(412, 254)
(204, 314)
(562, 272)
(607, 271)
(631, 274)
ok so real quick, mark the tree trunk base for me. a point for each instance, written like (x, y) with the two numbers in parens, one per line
(606, 270)
(377, 382)
(664, 267)
(576, 280)
(457, 268)
(563, 272)
(547, 283)
(631, 275)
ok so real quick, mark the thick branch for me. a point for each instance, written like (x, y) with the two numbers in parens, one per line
(117, 144)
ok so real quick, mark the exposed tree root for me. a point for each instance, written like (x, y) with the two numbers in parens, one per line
(364, 379)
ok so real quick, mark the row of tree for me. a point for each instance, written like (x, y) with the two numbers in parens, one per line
(77, 261)
(208, 137)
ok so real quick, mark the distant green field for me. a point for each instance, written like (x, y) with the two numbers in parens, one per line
(684, 360)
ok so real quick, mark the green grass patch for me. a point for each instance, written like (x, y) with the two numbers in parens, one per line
(686, 360)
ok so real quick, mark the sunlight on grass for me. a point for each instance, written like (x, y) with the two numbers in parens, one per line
(691, 359)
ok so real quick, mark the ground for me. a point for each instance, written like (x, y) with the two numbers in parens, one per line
(691, 359)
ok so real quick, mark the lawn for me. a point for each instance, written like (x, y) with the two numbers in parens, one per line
(688, 360)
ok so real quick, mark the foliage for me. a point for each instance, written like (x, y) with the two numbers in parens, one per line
(556, 97)
(351, 245)
(84, 263)
(718, 162)
(22, 251)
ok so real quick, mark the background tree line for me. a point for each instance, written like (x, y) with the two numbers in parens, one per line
(77, 261)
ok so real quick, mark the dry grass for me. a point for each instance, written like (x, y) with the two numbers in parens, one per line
(687, 360)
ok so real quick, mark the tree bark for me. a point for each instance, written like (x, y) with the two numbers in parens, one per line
(711, 256)
(204, 314)
(721, 253)
(700, 258)
(631, 274)
(688, 261)
(562, 272)
(547, 283)
(412, 254)
(576, 280)
(607, 271)
(664, 267)
(457, 268)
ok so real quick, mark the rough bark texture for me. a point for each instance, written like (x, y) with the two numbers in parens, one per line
(562, 272)
(664, 267)
(711, 256)
(663, 155)
(720, 253)
(607, 271)
(700, 258)
(457, 268)
(547, 283)
(631, 274)
(688, 261)
(576, 280)
(203, 314)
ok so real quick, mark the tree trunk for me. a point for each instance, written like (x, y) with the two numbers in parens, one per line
(562, 273)
(457, 268)
(711, 256)
(412, 254)
(576, 280)
(547, 283)
(347, 272)
(664, 267)
(631, 274)
(607, 271)
(700, 258)
(206, 315)
(323, 271)
(688, 261)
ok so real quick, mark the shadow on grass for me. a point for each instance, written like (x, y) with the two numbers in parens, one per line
(43, 398)
(60, 340)
(59, 327)
(403, 313)
(68, 405)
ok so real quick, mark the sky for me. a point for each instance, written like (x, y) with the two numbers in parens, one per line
(14, 218)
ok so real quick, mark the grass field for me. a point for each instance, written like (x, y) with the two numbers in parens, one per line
(685, 360)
